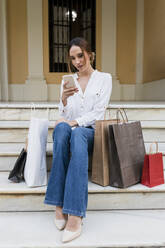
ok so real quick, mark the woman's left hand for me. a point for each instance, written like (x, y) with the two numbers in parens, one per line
(71, 123)
(60, 120)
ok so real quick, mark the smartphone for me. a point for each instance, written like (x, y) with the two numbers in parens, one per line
(70, 80)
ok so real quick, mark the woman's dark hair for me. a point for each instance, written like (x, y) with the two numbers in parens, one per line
(83, 44)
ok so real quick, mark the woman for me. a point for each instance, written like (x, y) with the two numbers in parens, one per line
(73, 138)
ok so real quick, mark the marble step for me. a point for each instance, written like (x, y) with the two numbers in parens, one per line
(13, 149)
(134, 110)
(7, 162)
(113, 104)
(10, 151)
(18, 135)
(24, 113)
(101, 229)
(139, 112)
(19, 197)
(19, 124)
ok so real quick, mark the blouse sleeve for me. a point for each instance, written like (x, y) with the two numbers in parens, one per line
(64, 111)
(100, 106)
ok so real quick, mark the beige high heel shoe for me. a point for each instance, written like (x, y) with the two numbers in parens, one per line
(60, 223)
(69, 235)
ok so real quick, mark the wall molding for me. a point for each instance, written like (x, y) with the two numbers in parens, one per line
(21, 92)
(153, 91)
(3, 53)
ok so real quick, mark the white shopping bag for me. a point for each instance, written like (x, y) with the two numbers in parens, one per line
(35, 172)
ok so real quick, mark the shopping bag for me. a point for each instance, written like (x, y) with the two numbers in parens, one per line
(16, 175)
(35, 172)
(100, 159)
(126, 152)
(152, 173)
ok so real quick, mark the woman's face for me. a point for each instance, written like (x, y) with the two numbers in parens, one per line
(80, 59)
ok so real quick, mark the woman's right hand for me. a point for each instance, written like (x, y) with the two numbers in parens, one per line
(67, 92)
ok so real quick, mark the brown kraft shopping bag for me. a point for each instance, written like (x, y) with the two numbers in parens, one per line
(126, 153)
(100, 159)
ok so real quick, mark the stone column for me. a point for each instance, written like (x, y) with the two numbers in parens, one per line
(139, 50)
(3, 53)
(109, 43)
(35, 88)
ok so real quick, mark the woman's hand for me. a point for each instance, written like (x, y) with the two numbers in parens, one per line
(60, 120)
(67, 92)
(71, 123)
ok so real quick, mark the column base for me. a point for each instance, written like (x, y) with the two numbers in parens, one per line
(36, 90)
(116, 89)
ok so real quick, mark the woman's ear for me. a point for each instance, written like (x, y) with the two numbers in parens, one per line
(92, 57)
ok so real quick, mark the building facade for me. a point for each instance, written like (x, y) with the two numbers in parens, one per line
(130, 44)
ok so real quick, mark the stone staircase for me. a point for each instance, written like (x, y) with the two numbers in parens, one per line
(132, 217)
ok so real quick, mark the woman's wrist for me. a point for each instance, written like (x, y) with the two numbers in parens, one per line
(64, 101)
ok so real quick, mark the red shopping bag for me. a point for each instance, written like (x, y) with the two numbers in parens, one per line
(152, 173)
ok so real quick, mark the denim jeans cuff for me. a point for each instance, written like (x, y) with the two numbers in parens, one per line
(74, 212)
(53, 203)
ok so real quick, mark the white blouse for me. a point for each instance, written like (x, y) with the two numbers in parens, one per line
(89, 106)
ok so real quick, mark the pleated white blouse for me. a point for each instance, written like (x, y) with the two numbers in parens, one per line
(89, 106)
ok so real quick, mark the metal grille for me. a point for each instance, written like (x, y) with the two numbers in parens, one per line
(69, 19)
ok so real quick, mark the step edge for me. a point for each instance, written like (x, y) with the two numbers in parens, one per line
(31, 191)
(112, 104)
(13, 154)
(24, 124)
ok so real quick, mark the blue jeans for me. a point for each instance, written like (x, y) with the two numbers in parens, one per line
(68, 182)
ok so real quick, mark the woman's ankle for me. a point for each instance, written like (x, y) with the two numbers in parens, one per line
(73, 223)
(59, 208)
(59, 213)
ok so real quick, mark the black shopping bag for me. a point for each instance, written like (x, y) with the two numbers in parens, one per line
(17, 173)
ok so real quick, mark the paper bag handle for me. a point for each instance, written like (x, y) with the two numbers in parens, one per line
(26, 143)
(121, 111)
(47, 112)
(108, 114)
(151, 151)
(33, 110)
